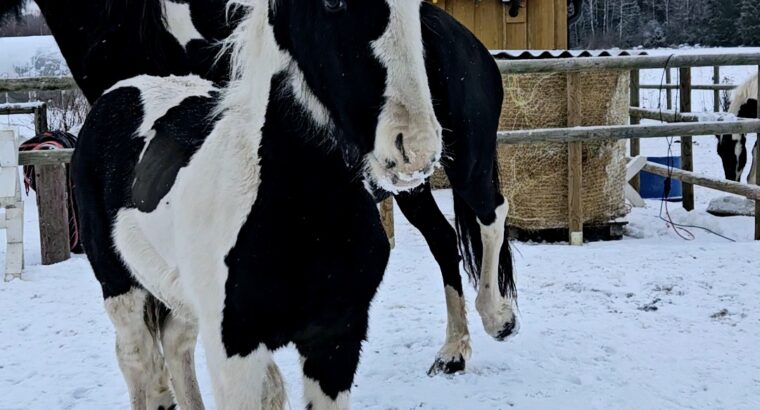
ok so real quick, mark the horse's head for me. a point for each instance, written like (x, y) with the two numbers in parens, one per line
(733, 153)
(359, 66)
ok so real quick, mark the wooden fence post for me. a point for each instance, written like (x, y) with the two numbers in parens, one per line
(53, 214)
(716, 92)
(687, 160)
(669, 92)
(635, 144)
(574, 163)
(40, 119)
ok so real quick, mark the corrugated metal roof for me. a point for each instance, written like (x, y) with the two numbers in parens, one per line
(546, 54)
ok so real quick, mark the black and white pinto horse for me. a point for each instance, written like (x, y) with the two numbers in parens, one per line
(243, 209)
(109, 41)
(732, 148)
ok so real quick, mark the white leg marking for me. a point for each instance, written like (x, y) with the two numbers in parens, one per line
(314, 395)
(457, 346)
(137, 351)
(496, 311)
(275, 397)
(238, 382)
(178, 338)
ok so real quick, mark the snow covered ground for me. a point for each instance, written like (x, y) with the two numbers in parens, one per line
(649, 322)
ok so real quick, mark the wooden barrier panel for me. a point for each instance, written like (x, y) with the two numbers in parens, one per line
(12, 202)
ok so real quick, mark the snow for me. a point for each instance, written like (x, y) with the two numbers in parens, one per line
(31, 57)
(649, 322)
(731, 205)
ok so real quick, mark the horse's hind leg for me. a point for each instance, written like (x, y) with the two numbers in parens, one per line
(420, 209)
(130, 309)
(178, 339)
(138, 352)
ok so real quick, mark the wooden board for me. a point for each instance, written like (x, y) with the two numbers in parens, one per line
(560, 25)
(489, 23)
(541, 24)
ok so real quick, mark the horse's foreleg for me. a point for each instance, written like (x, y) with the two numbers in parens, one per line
(495, 300)
(329, 363)
(244, 382)
(422, 212)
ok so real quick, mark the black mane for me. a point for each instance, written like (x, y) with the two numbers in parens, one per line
(149, 14)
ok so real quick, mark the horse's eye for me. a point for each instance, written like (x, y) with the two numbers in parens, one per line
(334, 6)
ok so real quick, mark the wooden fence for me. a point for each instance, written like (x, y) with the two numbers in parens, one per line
(50, 175)
(577, 135)
(53, 211)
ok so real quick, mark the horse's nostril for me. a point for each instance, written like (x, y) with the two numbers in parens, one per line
(390, 164)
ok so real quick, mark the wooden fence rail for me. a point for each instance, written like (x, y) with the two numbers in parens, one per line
(675, 116)
(723, 185)
(37, 84)
(698, 87)
(618, 132)
(625, 63)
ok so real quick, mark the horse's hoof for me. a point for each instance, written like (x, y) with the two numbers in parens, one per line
(510, 329)
(451, 366)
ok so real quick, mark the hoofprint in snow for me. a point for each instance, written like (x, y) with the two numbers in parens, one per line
(652, 321)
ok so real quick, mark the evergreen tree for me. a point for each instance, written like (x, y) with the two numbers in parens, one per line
(749, 22)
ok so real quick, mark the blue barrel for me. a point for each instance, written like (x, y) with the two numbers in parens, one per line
(653, 186)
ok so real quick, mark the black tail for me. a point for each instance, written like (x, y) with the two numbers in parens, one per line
(471, 243)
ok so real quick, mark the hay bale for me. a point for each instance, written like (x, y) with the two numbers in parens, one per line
(534, 177)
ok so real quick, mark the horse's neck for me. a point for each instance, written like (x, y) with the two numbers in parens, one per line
(104, 46)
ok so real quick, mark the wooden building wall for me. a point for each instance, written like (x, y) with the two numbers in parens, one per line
(541, 24)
